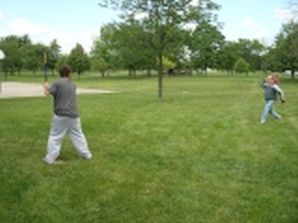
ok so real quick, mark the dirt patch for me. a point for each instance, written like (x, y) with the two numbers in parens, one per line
(17, 89)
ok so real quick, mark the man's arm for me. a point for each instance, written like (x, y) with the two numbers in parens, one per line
(46, 88)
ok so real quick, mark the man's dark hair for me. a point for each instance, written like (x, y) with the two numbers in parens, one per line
(65, 71)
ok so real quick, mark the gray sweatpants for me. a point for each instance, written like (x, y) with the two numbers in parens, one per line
(61, 126)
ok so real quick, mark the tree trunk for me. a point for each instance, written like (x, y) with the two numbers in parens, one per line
(160, 76)
(293, 74)
(102, 74)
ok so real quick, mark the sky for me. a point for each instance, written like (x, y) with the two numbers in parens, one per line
(79, 21)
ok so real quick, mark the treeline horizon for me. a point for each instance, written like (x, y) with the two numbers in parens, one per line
(159, 42)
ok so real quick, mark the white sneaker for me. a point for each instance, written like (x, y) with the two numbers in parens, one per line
(86, 156)
(55, 162)
(46, 161)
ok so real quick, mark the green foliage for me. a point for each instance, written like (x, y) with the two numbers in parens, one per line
(284, 55)
(251, 51)
(241, 66)
(104, 52)
(22, 54)
(33, 57)
(78, 59)
(63, 59)
(161, 20)
(100, 56)
(228, 56)
(205, 45)
(168, 64)
(98, 63)
(200, 156)
(129, 38)
(53, 55)
(12, 48)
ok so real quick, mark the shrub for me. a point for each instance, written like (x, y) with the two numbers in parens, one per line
(241, 66)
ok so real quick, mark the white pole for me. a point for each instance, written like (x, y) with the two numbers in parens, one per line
(2, 56)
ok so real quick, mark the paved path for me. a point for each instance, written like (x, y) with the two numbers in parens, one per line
(17, 89)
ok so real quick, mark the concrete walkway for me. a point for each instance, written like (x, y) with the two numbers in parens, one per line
(17, 89)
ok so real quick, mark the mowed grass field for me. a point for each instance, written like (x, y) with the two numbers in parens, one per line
(200, 155)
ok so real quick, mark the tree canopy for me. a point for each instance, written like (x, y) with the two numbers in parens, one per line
(162, 20)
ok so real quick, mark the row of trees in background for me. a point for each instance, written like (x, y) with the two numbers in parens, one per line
(284, 54)
(21, 54)
(177, 37)
(120, 47)
(188, 38)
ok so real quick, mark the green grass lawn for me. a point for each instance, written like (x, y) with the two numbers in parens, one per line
(199, 156)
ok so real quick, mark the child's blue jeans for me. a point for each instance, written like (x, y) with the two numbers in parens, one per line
(268, 109)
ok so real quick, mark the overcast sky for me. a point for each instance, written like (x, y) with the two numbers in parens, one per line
(72, 21)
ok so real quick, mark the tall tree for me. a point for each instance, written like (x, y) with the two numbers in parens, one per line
(206, 43)
(160, 18)
(78, 59)
(11, 46)
(104, 53)
(241, 66)
(251, 51)
(98, 60)
(228, 57)
(33, 57)
(286, 47)
(53, 55)
(63, 59)
(129, 38)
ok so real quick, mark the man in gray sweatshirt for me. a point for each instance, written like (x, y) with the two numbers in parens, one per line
(272, 91)
(66, 118)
